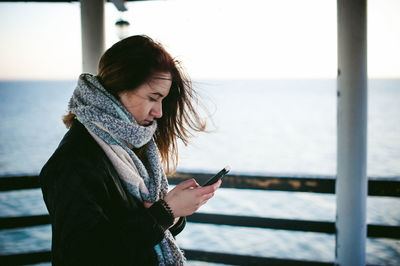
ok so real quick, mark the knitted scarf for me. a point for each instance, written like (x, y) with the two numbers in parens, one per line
(117, 132)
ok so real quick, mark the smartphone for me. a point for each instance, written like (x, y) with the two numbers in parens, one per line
(217, 177)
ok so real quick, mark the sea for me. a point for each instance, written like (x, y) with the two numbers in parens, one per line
(258, 127)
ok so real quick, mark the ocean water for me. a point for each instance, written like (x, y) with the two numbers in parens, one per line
(258, 127)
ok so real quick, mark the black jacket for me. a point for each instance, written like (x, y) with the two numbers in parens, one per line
(95, 220)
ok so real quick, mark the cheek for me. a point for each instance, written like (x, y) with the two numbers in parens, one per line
(144, 109)
(136, 111)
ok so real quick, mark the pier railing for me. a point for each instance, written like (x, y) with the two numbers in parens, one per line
(376, 187)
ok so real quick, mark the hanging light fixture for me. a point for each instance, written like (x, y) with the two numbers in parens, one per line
(122, 28)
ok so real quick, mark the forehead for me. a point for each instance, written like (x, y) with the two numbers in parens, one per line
(162, 76)
(161, 82)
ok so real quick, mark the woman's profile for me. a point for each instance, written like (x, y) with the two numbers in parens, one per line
(105, 186)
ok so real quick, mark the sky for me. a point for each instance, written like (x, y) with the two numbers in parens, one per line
(215, 39)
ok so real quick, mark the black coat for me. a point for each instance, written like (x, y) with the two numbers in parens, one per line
(95, 220)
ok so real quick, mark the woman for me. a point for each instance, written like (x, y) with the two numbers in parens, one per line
(105, 185)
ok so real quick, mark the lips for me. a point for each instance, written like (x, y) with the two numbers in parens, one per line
(147, 122)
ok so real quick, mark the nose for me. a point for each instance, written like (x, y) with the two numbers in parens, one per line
(156, 111)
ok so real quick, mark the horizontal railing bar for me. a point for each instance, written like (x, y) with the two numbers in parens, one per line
(23, 221)
(325, 184)
(376, 187)
(9, 183)
(385, 188)
(45, 256)
(245, 259)
(294, 184)
(382, 231)
(198, 255)
(57, 1)
(25, 258)
(379, 231)
(261, 222)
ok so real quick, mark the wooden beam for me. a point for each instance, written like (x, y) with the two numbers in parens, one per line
(235, 259)
(324, 184)
(25, 258)
(57, 1)
(382, 231)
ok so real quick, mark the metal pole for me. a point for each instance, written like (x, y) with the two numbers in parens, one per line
(351, 183)
(93, 34)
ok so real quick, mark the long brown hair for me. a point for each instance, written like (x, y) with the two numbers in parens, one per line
(135, 60)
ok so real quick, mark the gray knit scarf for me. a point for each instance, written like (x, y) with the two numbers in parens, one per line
(117, 132)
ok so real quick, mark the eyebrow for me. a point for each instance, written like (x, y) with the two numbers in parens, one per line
(163, 78)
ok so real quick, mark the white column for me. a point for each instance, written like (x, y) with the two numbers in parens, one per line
(351, 183)
(93, 34)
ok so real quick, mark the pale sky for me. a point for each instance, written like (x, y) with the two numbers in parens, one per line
(215, 39)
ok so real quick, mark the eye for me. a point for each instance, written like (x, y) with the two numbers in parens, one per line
(151, 99)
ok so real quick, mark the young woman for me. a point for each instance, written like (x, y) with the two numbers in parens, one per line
(105, 186)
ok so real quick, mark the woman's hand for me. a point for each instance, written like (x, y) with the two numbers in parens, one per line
(188, 196)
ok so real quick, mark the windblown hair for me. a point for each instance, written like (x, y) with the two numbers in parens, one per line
(132, 62)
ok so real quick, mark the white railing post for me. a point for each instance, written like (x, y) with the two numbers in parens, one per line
(93, 34)
(351, 183)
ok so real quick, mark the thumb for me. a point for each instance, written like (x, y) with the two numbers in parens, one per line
(188, 184)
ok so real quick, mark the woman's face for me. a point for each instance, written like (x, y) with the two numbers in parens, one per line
(145, 102)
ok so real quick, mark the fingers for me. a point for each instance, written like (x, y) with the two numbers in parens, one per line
(184, 201)
(188, 184)
(209, 189)
(207, 196)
